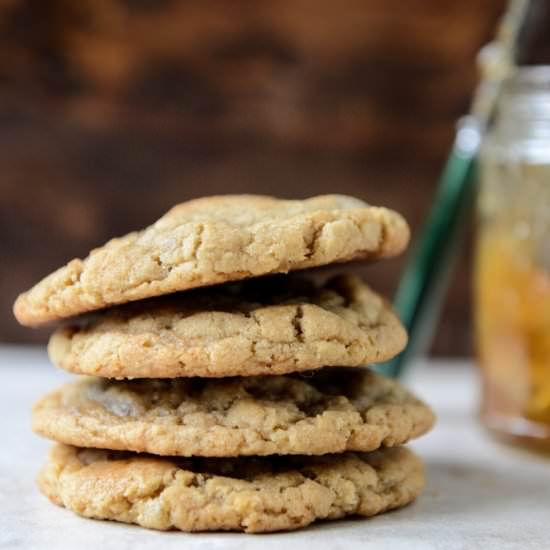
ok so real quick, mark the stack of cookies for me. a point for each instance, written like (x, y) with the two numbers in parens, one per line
(222, 392)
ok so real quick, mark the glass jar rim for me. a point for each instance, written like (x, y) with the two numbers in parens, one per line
(528, 79)
(521, 126)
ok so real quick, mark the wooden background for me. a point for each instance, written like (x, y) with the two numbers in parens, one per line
(111, 111)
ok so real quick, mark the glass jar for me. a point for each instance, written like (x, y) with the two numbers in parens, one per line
(512, 272)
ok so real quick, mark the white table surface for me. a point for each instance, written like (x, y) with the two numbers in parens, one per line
(480, 494)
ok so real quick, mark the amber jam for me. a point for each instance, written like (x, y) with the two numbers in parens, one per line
(512, 273)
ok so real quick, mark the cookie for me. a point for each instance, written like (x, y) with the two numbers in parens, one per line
(330, 411)
(213, 240)
(273, 325)
(247, 494)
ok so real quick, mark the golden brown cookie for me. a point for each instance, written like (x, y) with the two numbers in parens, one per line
(329, 411)
(213, 240)
(246, 494)
(272, 325)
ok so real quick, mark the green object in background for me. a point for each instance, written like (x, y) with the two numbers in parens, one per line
(427, 273)
(424, 282)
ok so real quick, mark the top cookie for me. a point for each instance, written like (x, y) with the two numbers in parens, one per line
(213, 240)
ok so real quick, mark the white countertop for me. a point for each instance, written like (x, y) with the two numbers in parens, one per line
(480, 494)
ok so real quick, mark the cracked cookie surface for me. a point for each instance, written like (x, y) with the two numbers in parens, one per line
(246, 494)
(326, 411)
(272, 325)
(214, 240)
